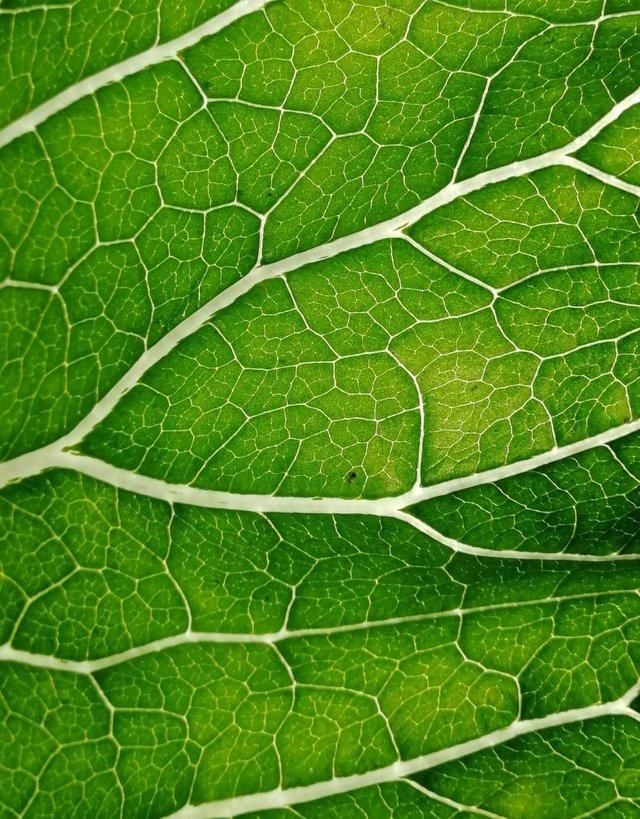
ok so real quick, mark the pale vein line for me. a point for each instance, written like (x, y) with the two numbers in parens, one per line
(532, 16)
(456, 805)
(282, 797)
(215, 499)
(114, 73)
(36, 7)
(518, 467)
(389, 506)
(601, 176)
(10, 654)
(39, 459)
(511, 554)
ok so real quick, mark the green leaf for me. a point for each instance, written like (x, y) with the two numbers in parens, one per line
(320, 430)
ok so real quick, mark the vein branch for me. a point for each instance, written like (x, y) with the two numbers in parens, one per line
(44, 457)
(158, 53)
(280, 797)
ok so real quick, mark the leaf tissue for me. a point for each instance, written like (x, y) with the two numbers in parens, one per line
(320, 417)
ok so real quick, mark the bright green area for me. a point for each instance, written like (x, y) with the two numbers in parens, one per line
(309, 386)
(322, 121)
(401, 128)
(156, 655)
(260, 400)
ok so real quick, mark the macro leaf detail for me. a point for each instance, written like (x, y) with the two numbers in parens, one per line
(320, 430)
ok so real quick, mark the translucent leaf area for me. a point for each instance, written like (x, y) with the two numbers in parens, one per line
(320, 417)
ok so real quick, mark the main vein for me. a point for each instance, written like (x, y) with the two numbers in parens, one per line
(281, 797)
(152, 56)
(45, 457)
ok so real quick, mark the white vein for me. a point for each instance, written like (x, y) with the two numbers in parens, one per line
(602, 176)
(281, 797)
(389, 506)
(518, 467)
(512, 554)
(11, 654)
(39, 459)
(114, 73)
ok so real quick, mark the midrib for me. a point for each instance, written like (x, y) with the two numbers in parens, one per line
(114, 73)
(283, 797)
(33, 462)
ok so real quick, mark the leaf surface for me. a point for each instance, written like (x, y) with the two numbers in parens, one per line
(319, 332)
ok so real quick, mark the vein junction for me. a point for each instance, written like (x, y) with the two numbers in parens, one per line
(352, 353)
(55, 453)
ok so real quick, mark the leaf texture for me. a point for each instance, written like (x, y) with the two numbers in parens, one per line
(319, 346)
